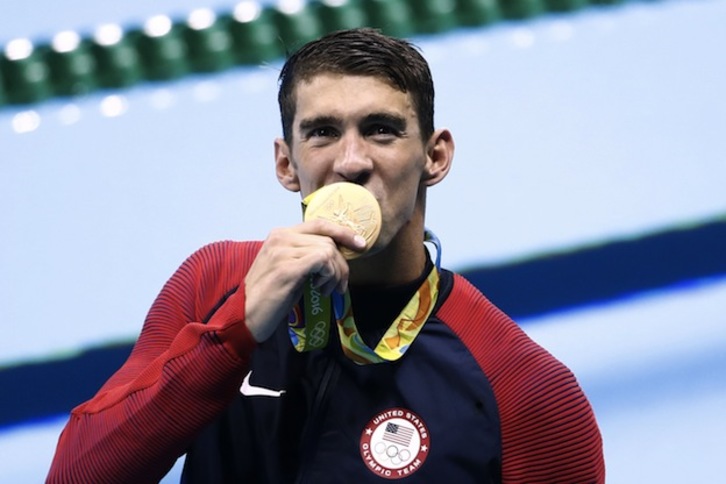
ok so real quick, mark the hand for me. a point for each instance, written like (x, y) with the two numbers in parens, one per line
(287, 259)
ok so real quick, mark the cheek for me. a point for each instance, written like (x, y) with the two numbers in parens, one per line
(403, 195)
(311, 174)
(406, 181)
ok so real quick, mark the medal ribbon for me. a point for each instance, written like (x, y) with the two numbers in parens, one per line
(311, 332)
(400, 334)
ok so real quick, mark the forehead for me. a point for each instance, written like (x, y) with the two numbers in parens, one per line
(329, 93)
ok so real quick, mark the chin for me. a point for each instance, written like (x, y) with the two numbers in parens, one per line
(382, 243)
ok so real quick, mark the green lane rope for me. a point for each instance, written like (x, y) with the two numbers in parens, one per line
(164, 49)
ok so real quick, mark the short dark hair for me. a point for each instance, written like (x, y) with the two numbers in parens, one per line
(362, 51)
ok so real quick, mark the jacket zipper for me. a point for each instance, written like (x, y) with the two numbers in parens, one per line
(309, 440)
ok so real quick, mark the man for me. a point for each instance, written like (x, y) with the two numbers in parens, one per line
(217, 372)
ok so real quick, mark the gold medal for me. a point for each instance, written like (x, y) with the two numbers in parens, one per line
(349, 205)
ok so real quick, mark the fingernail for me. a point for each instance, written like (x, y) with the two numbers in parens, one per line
(360, 241)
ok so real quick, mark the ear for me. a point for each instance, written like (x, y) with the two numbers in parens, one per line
(285, 167)
(439, 156)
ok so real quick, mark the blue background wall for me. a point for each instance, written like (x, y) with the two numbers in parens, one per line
(587, 199)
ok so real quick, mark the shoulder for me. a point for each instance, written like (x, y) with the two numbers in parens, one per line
(239, 253)
(209, 273)
(512, 361)
(540, 402)
(481, 325)
(220, 259)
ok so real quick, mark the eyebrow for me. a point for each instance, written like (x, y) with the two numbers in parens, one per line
(310, 123)
(394, 120)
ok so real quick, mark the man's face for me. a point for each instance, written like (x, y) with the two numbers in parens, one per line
(363, 130)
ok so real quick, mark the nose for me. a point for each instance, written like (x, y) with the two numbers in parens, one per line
(353, 162)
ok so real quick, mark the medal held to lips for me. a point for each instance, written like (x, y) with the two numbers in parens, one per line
(349, 205)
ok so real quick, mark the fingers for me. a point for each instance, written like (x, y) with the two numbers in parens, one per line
(324, 266)
(331, 274)
(342, 236)
(288, 258)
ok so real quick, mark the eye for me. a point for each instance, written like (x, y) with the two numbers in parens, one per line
(382, 131)
(322, 132)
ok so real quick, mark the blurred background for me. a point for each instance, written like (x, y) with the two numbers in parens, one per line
(587, 198)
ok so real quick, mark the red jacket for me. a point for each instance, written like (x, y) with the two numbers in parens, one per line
(473, 400)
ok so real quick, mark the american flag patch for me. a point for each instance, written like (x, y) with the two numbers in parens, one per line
(398, 434)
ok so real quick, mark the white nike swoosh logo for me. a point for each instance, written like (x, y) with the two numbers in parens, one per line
(252, 391)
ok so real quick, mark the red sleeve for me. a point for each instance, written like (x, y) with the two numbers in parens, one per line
(549, 432)
(181, 373)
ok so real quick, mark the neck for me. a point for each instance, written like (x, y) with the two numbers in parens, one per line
(400, 262)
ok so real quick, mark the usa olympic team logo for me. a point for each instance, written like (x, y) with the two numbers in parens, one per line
(395, 443)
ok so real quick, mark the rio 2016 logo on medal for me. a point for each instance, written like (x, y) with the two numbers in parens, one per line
(395, 443)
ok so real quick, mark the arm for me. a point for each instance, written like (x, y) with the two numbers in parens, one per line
(549, 432)
(548, 429)
(182, 372)
(179, 376)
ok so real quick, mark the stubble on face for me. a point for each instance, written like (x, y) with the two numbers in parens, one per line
(362, 129)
